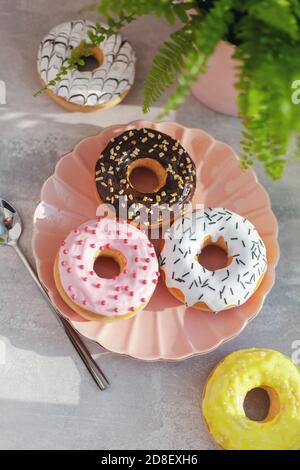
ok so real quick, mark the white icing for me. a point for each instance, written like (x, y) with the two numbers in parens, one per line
(229, 286)
(111, 79)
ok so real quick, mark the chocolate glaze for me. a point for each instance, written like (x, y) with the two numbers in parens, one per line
(112, 181)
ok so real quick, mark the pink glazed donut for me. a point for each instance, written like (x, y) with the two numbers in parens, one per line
(96, 298)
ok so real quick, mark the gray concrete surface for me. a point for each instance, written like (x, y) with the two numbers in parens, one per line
(47, 399)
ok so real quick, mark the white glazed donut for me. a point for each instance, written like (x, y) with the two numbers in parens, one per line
(199, 287)
(102, 87)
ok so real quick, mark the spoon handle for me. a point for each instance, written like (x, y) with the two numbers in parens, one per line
(74, 337)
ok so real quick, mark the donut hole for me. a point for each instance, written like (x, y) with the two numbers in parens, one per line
(91, 62)
(146, 175)
(214, 255)
(261, 404)
(109, 263)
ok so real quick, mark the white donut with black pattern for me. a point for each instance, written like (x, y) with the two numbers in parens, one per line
(199, 287)
(102, 87)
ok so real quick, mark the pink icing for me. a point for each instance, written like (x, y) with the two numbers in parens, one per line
(108, 297)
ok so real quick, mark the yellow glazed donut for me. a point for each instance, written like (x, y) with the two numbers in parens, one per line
(227, 387)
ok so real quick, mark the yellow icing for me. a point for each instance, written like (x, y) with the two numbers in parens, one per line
(226, 390)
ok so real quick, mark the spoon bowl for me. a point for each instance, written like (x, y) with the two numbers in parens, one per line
(10, 224)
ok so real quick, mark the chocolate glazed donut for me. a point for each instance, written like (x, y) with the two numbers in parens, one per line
(165, 157)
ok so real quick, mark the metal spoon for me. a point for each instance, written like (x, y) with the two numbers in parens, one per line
(10, 232)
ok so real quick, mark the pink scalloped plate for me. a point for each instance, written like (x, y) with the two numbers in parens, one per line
(166, 329)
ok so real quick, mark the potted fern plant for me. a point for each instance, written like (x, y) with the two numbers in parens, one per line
(258, 44)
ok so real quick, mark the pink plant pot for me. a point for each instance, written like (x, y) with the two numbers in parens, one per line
(216, 87)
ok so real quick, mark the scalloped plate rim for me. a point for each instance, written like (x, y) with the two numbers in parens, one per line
(274, 234)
